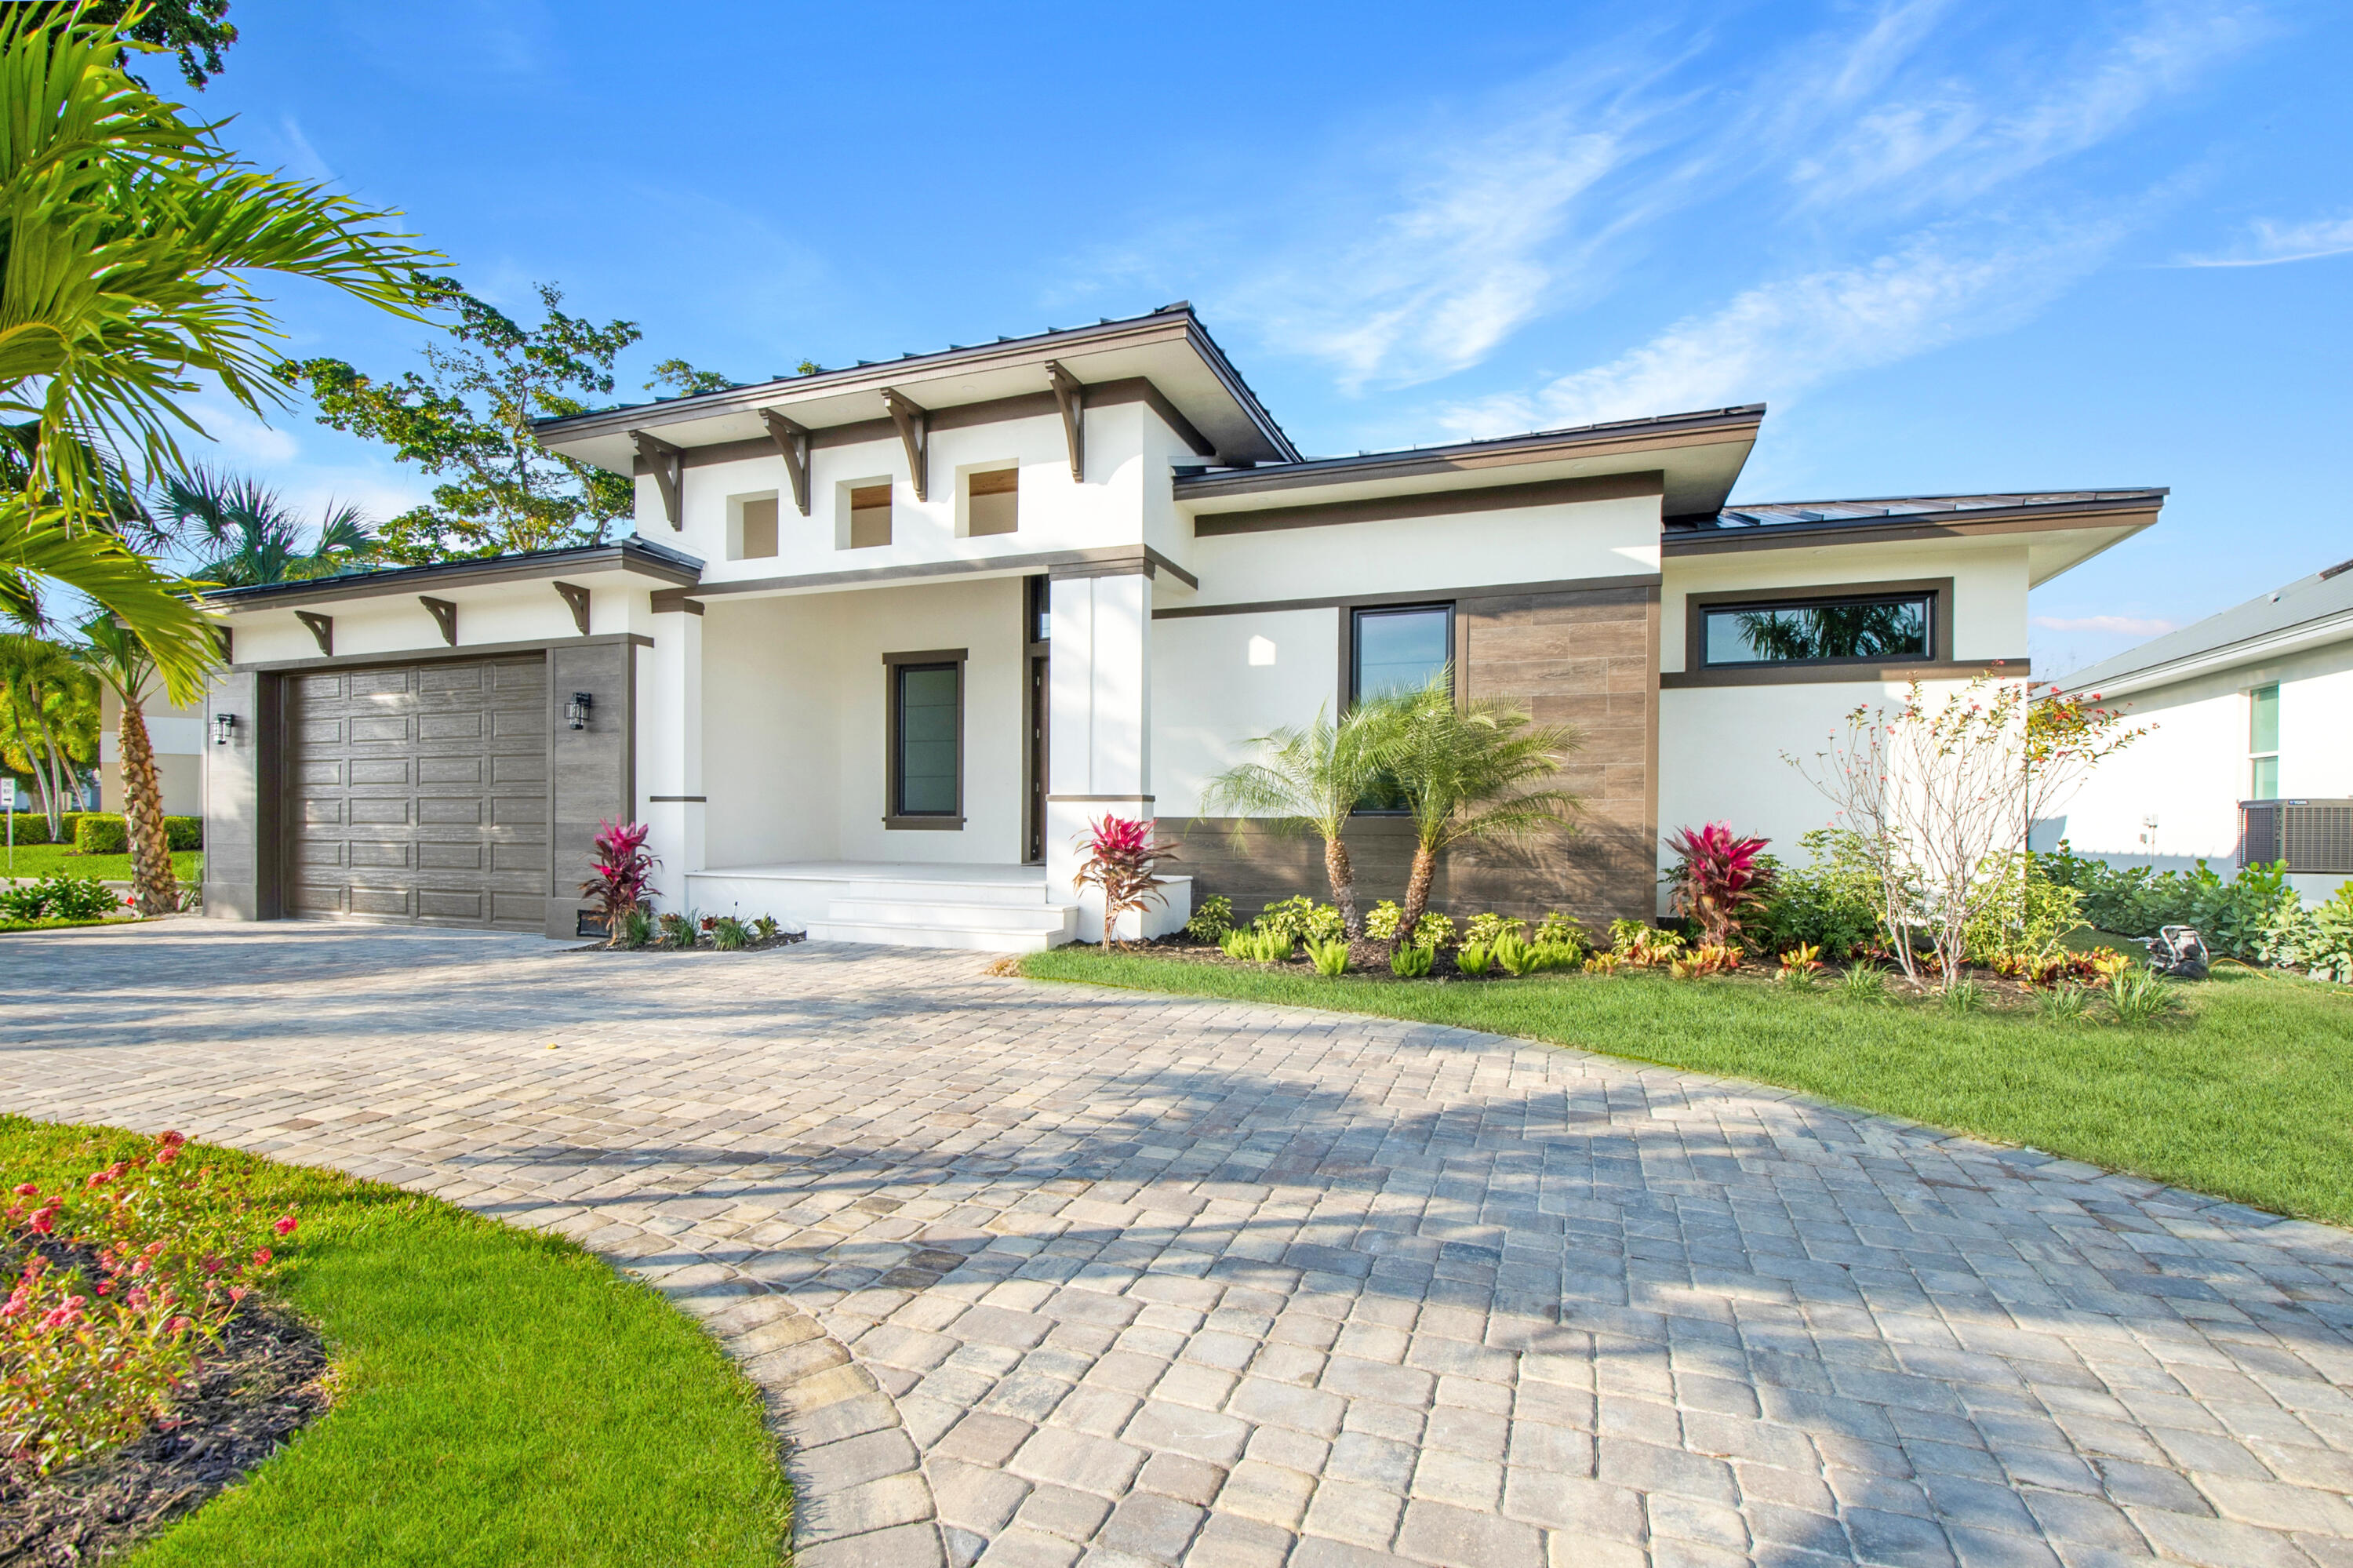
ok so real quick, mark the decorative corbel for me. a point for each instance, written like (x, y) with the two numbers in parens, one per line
(914, 432)
(793, 445)
(445, 615)
(1071, 393)
(576, 598)
(322, 627)
(669, 466)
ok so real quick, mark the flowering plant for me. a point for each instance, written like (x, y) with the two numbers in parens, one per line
(122, 1281)
(1720, 879)
(1120, 858)
(623, 869)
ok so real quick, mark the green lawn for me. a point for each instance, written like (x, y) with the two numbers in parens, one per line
(2247, 1095)
(40, 860)
(505, 1398)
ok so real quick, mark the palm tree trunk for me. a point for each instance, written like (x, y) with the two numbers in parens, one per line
(1417, 892)
(1344, 886)
(152, 880)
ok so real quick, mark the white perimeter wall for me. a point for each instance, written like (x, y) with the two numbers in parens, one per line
(1209, 700)
(796, 713)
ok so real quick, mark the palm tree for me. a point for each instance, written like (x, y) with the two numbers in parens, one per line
(252, 538)
(1311, 777)
(126, 259)
(48, 718)
(1466, 772)
(111, 651)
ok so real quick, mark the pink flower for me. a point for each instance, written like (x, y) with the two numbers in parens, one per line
(44, 1222)
(261, 1256)
(177, 1326)
(26, 1190)
(136, 1298)
(284, 1227)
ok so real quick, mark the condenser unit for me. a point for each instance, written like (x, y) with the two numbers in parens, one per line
(2310, 835)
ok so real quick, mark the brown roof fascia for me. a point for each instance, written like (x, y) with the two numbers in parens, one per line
(2070, 516)
(454, 573)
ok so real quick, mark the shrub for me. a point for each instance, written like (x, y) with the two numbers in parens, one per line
(1381, 921)
(2135, 901)
(1121, 862)
(107, 832)
(61, 897)
(2317, 940)
(1212, 919)
(1514, 955)
(766, 928)
(728, 935)
(1301, 919)
(2028, 917)
(1434, 930)
(1258, 946)
(1560, 928)
(1411, 962)
(677, 930)
(1800, 965)
(1330, 958)
(126, 1278)
(1637, 943)
(1238, 944)
(623, 867)
(1719, 878)
(2142, 996)
(1830, 904)
(1486, 928)
(635, 928)
(1603, 964)
(1475, 959)
(1707, 958)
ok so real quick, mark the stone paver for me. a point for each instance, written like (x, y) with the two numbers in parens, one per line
(1039, 1274)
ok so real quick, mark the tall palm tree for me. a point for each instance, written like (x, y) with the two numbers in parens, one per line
(1311, 777)
(113, 653)
(1471, 771)
(249, 537)
(48, 718)
(129, 239)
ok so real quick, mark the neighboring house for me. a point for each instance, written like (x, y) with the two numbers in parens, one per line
(175, 734)
(2250, 750)
(890, 636)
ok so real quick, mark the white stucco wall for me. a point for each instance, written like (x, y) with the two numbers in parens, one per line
(1219, 681)
(772, 761)
(1989, 585)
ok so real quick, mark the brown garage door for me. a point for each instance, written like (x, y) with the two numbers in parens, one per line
(419, 793)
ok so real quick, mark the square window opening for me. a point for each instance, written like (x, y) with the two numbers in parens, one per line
(992, 501)
(751, 527)
(865, 508)
(1859, 630)
(1399, 650)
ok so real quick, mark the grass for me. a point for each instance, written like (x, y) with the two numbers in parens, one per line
(2243, 1093)
(504, 1398)
(7, 925)
(39, 860)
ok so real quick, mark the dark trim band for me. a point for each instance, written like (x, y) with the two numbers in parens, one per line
(625, 554)
(1834, 675)
(1108, 799)
(431, 656)
(1441, 503)
(677, 799)
(1637, 582)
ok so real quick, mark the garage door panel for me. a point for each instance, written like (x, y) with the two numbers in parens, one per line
(420, 793)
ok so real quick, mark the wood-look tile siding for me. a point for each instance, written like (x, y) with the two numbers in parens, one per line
(1586, 658)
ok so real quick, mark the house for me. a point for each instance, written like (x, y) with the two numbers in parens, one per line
(888, 637)
(2248, 755)
(175, 734)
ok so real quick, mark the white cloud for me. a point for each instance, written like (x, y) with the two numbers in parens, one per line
(2119, 625)
(1781, 337)
(2269, 244)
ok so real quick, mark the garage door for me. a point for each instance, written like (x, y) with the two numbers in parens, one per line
(419, 793)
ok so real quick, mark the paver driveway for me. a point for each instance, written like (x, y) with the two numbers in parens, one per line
(1038, 1275)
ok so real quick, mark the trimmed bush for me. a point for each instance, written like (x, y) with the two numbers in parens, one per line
(106, 832)
(32, 828)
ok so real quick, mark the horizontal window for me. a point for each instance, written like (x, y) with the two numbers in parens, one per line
(1813, 632)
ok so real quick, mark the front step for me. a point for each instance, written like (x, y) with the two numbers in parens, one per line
(1034, 938)
(949, 912)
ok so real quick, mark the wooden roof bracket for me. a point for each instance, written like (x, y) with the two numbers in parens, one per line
(322, 629)
(793, 445)
(575, 598)
(1071, 393)
(445, 615)
(669, 466)
(914, 432)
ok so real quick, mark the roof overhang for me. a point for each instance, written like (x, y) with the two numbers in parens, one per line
(1697, 456)
(1168, 349)
(2058, 535)
(626, 557)
(2278, 643)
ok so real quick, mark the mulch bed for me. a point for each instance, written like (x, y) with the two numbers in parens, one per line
(266, 1378)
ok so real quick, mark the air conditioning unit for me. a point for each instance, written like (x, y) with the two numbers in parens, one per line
(2310, 835)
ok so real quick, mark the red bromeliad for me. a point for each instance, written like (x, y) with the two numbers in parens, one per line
(1722, 880)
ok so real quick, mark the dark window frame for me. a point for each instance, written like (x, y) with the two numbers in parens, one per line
(1697, 671)
(893, 664)
(1350, 667)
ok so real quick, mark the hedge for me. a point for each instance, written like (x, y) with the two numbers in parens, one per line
(32, 828)
(99, 833)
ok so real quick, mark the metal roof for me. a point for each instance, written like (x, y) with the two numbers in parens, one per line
(2325, 594)
(1910, 509)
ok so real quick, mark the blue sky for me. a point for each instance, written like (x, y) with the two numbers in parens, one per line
(1956, 244)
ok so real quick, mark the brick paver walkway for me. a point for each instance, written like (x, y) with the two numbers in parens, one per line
(1039, 1276)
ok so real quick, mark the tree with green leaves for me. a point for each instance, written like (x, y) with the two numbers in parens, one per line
(247, 536)
(1473, 771)
(467, 419)
(193, 31)
(112, 652)
(1310, 778)
(130, 245)
(48, 719)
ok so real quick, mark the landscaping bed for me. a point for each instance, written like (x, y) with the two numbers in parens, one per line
(500, 1397)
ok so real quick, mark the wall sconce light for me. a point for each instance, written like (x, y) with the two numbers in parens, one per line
(575, 712)
(224, 727)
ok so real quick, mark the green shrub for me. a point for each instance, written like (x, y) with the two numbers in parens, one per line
(728, 934)
(1381, 920)
(1301, 919)
(32, 828)
(1474, 957)
(1410, 962)
(1560, 928)
(2135, 901)
(60, 897)
(1486, 928)
(677, 930)
(1832, 904)
(2318, 939)
(1515, 956)
(2061, 1003)
(1964, 996)
(1434, 930)
(635, 926)
(1238, 944)
(1330, 958)
(102, 835)
(2142, 996)
(1212, 919)
(1257, 946)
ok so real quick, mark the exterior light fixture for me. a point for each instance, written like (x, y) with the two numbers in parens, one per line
(224, 728)
(575, 712)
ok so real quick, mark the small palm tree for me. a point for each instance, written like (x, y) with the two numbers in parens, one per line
(1468, 773)
(112, 651)
(1311, 777)
(252, 537)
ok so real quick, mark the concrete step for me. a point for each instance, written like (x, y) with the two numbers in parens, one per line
(903, 911)
(1025, 894)
(918, 934)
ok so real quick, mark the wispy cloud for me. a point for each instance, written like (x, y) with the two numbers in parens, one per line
(2117, 625)
(2268, 244)
(1781, 337)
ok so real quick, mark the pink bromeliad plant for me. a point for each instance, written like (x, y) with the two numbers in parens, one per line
(623, 868)
(1722, 877)
(1121, 857)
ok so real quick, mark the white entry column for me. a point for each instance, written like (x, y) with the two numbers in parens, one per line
(669, 753)
(1099, 728)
